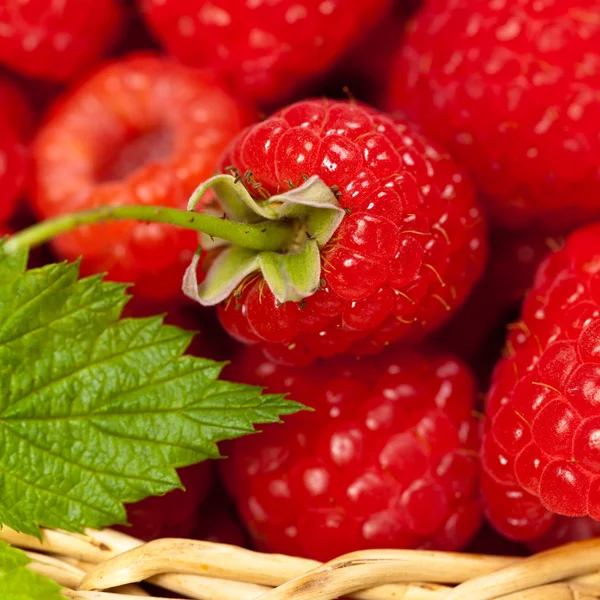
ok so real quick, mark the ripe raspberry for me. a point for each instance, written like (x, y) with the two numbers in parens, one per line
(511, 89)
(540, 453)
(407, 253)
(266, 50)
(388, 458)
(16, 122)
(141, 130)
(57, 40)
(175, 514)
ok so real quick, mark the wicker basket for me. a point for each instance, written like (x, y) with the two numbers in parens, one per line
(108, 560)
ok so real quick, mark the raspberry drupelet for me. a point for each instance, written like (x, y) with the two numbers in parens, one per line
(142, 130)
(511, 89)
(407, 253)
(388, 459)
(540, 453)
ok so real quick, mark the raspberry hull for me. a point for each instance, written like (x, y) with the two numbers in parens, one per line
(388, 458)
(143, 130)
(510, 88)
(406, 255)
(540, 453)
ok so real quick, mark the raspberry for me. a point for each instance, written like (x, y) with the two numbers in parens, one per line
(510, 88)
(540, 456)
(175, 514)
(16, 122)
(388, 458)
(141, 130)
(57, 40)
(266, 50)
(407, 253)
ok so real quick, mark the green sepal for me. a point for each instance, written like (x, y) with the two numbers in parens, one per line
(291, 275)
(226, 273)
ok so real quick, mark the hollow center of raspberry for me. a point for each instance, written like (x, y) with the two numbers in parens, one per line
(147, 147)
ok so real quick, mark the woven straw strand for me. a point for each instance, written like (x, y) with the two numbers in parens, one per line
(208, 588)
(559, 564)
(69, 575)
(56, 569)
(204, 588)
(98, 546)
(105, 565)
(556, 591)
(221, 560)
(90, 547)
(77, 595)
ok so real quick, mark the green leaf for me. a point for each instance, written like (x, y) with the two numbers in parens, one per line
(19, 583)
(96, 411)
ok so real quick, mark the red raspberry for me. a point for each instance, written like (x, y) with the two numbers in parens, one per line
(16, 123)
(265, 49)
(540, 453)
(388, 458)
(141, 130)
(57, 40)
(511, 89)
(175, 514)
(407, 253)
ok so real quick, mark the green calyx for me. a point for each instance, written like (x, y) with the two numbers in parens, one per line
(293, 273)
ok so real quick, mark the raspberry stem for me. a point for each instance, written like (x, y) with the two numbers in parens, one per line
(280, 237)
(267, 235)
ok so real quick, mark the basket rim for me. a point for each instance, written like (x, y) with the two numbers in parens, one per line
(107, 564)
